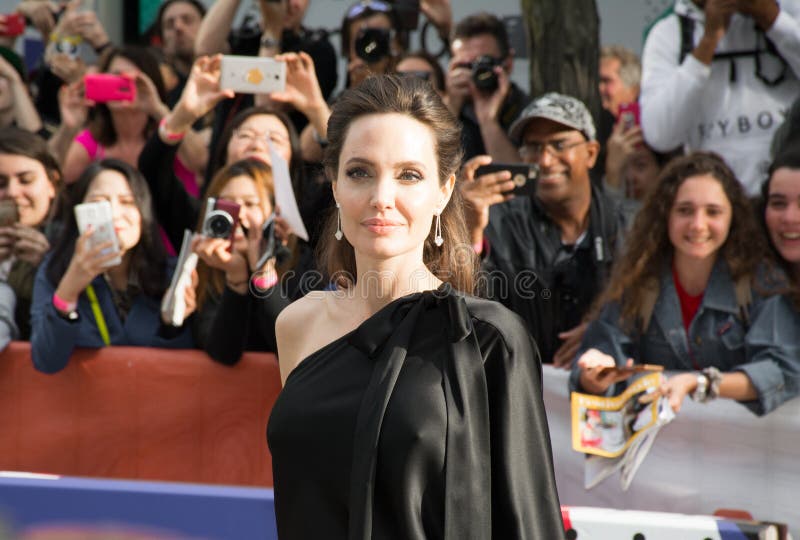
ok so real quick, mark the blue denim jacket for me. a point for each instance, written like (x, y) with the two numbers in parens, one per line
(767, 349)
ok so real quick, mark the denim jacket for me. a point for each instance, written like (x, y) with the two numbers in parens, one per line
(767, 349)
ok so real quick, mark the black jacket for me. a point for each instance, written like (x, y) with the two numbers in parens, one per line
(551, 286)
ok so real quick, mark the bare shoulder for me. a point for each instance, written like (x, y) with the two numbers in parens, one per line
(292, 328)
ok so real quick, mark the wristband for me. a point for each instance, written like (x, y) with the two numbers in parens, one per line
(168, 136)
(265, 281)
(62, 305)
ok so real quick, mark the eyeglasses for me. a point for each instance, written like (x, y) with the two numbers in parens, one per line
(250, 135)
(366, 6)
(557, 148)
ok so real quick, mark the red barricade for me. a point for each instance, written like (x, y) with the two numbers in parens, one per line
(139, 413)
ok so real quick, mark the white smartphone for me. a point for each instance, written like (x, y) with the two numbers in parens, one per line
(99, 216)
(252, 74)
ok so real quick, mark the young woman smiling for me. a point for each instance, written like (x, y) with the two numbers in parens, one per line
(691, 293)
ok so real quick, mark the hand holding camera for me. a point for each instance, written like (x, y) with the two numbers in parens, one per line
(489, 87)
(302, 87)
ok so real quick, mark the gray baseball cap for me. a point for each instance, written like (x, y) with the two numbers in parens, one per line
(559, 108)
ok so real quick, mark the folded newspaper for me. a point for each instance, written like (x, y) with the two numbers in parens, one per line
(173, 306)
(616, 432)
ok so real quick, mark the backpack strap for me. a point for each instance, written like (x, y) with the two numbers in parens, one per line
(687, 36)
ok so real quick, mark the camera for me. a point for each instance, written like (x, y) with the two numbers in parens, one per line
(483, 74)
(221, 219)
(373, 44)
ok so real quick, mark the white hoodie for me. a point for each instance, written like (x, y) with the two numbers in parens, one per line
(698, 106)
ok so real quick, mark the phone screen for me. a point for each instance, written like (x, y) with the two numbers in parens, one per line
(9, 214)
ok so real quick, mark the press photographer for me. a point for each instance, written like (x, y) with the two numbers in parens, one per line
(479, 90)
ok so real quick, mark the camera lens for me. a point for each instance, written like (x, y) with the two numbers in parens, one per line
(218, 224)
(483, 74)
(372, 44)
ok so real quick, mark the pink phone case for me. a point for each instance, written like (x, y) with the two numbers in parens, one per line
(629, 114)
(15, 24)
(103, 87)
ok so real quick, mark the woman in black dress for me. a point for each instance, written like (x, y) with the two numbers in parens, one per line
(410, 409)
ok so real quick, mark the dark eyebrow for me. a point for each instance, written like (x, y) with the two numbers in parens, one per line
(356, 160)
(777, 196)
(417, 164)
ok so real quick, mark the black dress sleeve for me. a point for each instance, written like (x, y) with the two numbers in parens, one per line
(524, 497)
(175, 209)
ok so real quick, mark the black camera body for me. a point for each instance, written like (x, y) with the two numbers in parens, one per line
(221, 218)
(373, 44)
(483, 74)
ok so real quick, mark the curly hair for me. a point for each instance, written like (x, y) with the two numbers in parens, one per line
(648, 245)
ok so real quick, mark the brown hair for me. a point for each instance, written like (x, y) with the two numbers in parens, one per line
(212, 279)
(649, 248)
(453, 262)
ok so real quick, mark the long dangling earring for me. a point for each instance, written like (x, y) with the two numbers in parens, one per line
(437, 238)
(338, 234)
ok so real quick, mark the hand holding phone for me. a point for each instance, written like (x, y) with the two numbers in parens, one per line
(523, 175)
(629, 115)
(105, 87)
(99, 215)
(9, 213)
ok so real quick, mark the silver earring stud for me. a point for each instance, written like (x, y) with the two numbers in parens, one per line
(338, 234)
(437, 238)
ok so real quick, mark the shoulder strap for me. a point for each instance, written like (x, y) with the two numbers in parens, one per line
(687, 37)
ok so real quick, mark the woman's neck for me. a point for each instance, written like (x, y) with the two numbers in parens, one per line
(118, 275)
(693, 273)
(129, 125)
(378, 283)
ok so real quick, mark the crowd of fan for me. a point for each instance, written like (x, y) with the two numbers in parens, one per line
(667, 230)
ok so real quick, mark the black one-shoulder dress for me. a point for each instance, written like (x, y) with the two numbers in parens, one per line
(425, 422)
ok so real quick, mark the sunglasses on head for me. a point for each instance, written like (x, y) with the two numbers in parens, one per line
(368, 6)
(424, 75)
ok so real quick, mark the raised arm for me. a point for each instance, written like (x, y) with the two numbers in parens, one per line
(212, 37)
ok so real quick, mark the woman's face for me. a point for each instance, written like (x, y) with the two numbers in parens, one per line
(782, 214)
(253, 211)
(356, 67)
(641, 171)
(112, 186)
(388, 186)
(700, 219)
(24, 180)
(249, 140)
(118, 66)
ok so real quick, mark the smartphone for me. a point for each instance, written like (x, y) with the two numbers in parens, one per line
(100, 217)
(9, 213)
(522, 174)
(635, 368)
(629, 114)
(15, 24)
(104, 87)
(252, 74)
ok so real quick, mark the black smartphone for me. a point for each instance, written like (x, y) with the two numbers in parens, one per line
(523, 175)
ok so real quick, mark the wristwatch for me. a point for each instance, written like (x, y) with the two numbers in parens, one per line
(700, 393)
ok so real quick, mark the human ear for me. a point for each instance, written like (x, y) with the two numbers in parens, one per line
(593, 150)
(446, 191)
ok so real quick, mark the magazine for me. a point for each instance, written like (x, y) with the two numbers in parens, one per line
(616, 432)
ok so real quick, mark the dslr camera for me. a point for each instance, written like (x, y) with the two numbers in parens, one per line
(373, 44)
(483, 74)
(221, 219)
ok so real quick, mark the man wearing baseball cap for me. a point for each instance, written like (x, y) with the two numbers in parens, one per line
(547, 256)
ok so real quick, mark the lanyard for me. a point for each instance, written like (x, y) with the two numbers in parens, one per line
(98, 315)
